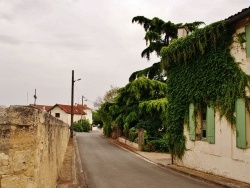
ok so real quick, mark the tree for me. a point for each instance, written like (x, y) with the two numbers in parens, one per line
(140, 104)
(108, 96)
(102, 116)
(158, 34)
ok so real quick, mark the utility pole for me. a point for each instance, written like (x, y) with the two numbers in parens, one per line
(35, 97)
(72, 104)
(81, 108)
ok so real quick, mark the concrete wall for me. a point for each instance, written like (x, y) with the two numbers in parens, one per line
(32, 147)
(127, 142)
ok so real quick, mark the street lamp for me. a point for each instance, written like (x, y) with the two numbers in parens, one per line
(72, 103)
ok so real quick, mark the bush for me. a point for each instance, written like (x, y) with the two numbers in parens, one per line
(78, 127)
(160, 145)
(107, 130)
(133, 134)
(82, 126)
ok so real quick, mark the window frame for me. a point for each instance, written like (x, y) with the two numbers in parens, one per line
(195, 124)
(57, 115)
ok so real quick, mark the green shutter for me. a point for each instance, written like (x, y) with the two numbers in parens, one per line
(191, 122)
(210, 125)
(241, 123)
(248, 40)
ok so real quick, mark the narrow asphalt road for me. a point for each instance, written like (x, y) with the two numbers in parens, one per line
(106, 165)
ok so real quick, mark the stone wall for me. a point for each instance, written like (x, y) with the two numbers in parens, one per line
(32, 147)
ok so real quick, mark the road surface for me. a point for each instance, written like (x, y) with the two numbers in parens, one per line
(106, 165)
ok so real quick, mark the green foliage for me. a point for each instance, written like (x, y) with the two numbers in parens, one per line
(241, 38)
(158, 34)
(82, 126)
(107, 130)
(138, 105)
(157, 145)
(97, 119)
(78, 127)
(133, 134)
(200, 70)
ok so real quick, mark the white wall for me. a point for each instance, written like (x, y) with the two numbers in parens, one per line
(222, 158)
(63, 115)
(67, 117)
(89, 115)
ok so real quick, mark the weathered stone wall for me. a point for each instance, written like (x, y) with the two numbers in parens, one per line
(32, 147)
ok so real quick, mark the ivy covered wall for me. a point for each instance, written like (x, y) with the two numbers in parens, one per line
(201, 70)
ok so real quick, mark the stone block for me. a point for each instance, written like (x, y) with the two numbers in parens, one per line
(22, 160)
(4, 164)
(17, 181)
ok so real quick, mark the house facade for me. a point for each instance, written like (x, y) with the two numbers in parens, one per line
(215, 145)
(88, 112)
(63, 112)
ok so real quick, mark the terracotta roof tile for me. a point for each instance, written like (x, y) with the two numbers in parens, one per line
(67, 108)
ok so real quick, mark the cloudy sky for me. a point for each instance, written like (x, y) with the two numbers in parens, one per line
(42, 41)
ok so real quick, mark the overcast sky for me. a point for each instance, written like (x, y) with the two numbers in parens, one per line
(42, 41)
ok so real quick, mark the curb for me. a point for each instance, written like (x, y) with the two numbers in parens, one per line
(79, 173)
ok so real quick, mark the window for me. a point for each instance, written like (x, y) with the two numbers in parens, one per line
(57, 115)
(247, 30)
(242, 123)
(202, 125)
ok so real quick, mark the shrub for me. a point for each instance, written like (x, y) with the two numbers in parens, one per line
(160, 145)
(77, 127)
(133, 134)
(82, 126)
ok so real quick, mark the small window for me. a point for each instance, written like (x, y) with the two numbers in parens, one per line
(57, 115)
(202, 124)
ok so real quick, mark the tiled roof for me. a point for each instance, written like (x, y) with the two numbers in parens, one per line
(67, 108)
(42, 107)
(236, 17)
(85, 107)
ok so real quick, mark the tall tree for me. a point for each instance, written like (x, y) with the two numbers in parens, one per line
(158, 34)
(140, 104)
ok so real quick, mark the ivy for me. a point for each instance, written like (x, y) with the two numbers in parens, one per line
(201, 70)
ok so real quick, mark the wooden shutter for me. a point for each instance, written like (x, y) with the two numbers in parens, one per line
(210, 125)
(241, 123)
(247, 28)
(191, 122)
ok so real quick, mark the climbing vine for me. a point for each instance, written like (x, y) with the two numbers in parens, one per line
(200, 70)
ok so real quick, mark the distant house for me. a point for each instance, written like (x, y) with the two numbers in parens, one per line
(87, 110)
(63, 112)
(213, 144)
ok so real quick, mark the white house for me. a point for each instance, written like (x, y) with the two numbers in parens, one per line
(88, 112)
(63, 112)
(227, 151)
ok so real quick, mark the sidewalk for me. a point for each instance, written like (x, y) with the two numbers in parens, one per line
(71, 174)
(164, 160)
